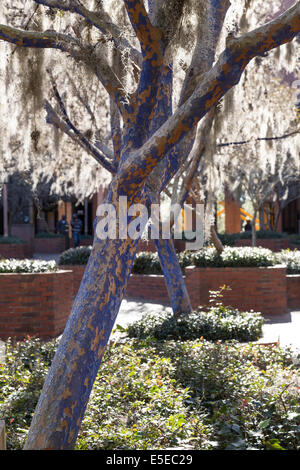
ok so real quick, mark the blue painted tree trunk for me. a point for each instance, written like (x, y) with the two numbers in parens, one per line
(178, 294)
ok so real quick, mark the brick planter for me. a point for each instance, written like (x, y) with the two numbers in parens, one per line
(77, 274)
(149, 287)
(51, 245)
(37, 305)
(140, 286)
(18, 250)
(274, 244)
(293, 291)
(260, 289)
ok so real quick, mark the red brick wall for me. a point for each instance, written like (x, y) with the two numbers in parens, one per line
(49, 245)
(78, 271)
(267, 290)
(147, 287)
(293, 291)
(34, 304)
(274, 244)
(18, 251)
(260, 289)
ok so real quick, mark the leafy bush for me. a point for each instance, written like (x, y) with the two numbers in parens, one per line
(26, 266)
(230, 257)
(219, 323)
(11, 241)
(291, 259)
(146, 263)
(155, 395)
(73, 256)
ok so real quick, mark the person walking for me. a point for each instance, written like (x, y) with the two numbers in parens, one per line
(76, 224)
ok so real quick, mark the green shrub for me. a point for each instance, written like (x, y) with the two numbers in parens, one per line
(152, 394)
(219, 323)
(11, 241)
(73, 256)
(146, 263)
(291, 259)
(26, 266)
(230, 257)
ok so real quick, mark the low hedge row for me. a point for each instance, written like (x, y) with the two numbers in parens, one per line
(11, 241)
(230, 239)
(148, 263)
(219, 323)
(230, 257)
(27, 266)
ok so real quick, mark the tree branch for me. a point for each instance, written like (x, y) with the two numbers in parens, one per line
(66, 126)
(148, 36)
(78, 50)
(211, 87)
(243, 142)
(101, 21)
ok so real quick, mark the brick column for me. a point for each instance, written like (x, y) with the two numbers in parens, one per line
(232, 214)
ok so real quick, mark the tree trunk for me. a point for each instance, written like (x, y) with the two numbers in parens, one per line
(68, 385)
(216, 240)
(178, 294)
(253, 229)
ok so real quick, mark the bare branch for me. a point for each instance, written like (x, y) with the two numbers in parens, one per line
(71, 130)
(78, 50)
(243, 142)
(100, 20)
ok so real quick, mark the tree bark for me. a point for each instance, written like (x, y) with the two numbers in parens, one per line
(67, 388)
(178, 294)
(253, 229)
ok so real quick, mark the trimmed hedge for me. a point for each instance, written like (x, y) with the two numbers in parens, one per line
(219, 323)
(11, 241)
(230, 257)
(79, 255)
(27, 266)
(291, 259)
(229, 239)
(148, 263)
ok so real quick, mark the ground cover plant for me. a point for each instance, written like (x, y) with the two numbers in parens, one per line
(152, 394)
